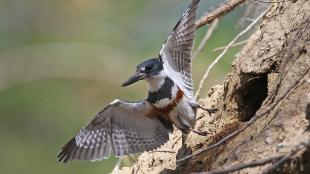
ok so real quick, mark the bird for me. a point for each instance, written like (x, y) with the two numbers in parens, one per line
(123, 128)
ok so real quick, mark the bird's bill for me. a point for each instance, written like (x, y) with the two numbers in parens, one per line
(136, 77)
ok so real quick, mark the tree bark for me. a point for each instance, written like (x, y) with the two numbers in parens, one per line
(271, 79)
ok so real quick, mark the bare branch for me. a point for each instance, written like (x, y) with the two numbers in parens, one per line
(280, 160)
(138, 166)
(162, 151)
(207, 36)
(268, 1)
(285, 158)
(220, 11)
(241, 166)
(117, 165)
(234, 45)
(201, 83)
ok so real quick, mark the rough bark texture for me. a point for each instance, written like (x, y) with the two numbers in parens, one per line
(270, 74)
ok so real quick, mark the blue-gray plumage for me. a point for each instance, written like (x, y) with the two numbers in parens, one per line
(123, 128)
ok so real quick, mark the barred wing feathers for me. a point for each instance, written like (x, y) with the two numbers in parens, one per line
(119, 129)
(176, 51)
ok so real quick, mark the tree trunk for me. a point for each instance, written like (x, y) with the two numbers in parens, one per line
(269, 84)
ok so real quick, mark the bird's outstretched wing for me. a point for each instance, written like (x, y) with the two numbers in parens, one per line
(176, 51)
(120, 129)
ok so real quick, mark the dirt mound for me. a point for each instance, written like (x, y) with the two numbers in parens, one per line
(269, 84)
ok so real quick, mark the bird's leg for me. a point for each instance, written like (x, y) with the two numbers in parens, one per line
(117, 165)
(184, 138)
(184, 150)
(209, 110)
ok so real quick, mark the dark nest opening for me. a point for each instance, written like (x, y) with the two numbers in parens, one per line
(253, 91)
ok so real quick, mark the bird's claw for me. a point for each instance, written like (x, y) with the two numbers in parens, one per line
(201, 133)
(209, 110)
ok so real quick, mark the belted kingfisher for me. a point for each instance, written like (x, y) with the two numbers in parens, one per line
(124, 128)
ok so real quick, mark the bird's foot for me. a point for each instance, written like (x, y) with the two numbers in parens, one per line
(183, 152)
(209, 110)
(201, 133)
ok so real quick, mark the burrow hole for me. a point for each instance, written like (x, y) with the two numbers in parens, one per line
(253, 91)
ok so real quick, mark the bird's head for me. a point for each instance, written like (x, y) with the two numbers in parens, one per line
(148, 69)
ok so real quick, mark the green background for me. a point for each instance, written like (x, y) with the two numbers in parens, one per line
(62, 61)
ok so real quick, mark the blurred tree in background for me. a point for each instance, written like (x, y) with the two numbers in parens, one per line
(62, 61)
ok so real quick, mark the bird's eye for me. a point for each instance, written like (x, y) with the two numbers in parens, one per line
(148, 68)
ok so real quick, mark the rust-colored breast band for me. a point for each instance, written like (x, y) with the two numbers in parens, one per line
(164, 112)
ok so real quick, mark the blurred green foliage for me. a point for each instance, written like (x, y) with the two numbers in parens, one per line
(62, 61)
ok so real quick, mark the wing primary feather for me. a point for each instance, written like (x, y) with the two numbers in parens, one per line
(66, 149)
(176, 51)
(128, 132)
(73, 151)
(91, 147)
(84, 144)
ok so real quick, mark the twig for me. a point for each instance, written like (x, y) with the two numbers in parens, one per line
(201, 83)
(216, 144)
(268, 1)
(249, 19)
(176, 142)
(278, 163)
(280, 160)
(138, 168)
(138, 165)
(285, 158)
(241, 166)
(220, 11)
(234, 45)
(162, 151)
(117, 165)
(251, 121)
(207, 36)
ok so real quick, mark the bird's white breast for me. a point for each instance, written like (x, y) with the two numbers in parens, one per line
(165, 102)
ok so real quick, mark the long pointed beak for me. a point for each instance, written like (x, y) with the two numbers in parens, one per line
(136, 77)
